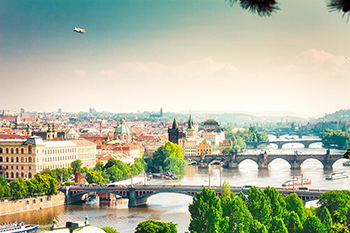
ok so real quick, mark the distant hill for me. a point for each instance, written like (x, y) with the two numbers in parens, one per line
(342, 115)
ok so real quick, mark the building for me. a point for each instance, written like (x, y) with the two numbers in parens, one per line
(204, 148)
(224, 144)
(175, 133)
(189, 148)
(27, 156)
(122, 132)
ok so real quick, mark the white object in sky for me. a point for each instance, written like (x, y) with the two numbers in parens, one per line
(79, 30)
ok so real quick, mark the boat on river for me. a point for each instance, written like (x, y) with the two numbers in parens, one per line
(18, 227)
(337, 176)
(347, 163)
(296, 181)
(93, 200)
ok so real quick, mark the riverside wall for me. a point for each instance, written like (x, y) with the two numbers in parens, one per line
(31, 203)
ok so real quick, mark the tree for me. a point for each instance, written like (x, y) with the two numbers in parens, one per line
(19, 188)
(294, 203)
(335, 200)
(313, 224)
(3, 181)
(53, 186)
(99, 166)
(268, 7)
(31, 187)
(76, 165)
(108, 229)
(95, 177)
(240, 219)
(227, 151)
(277, 226)
(293, 223)
(259, 205)
(174, 149)
(338, 228)
(153, 226)
(206, 213)
(325, 217)
(115, 174)
(175, 164)
(257, 227)
(278, 205)
(225, 190)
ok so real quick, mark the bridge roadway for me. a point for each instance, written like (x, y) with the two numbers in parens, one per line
(280, 144)
(138, 194)
(263, 159)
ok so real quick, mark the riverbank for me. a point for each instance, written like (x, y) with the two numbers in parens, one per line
(8, 207)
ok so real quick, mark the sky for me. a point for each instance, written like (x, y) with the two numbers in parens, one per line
(202, 55)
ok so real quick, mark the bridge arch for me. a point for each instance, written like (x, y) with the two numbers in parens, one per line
(302, 162)
(294, 142)
(283, 159)
(122, 193)
(246, 159)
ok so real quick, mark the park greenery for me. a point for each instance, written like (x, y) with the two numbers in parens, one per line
(267, 211)
(338, 137)
(240, 137)
(19, 188)
(168, 157)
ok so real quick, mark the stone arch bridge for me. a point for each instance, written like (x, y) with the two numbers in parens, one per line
(138, 195)
(280, 144)
(263, 160)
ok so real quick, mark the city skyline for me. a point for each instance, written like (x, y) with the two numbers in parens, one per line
(199, 55)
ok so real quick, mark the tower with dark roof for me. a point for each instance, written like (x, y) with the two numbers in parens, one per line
(190, 131)
(175, 133)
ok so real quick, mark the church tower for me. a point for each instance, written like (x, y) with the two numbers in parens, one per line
(190, 131)
(175, 133)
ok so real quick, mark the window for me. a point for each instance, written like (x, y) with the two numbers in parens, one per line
(0, 159)
(11, 159)
(7, 150)
(17, 160)
(30, 168)
(7, 159)
(17, 175)
(29, 159)
(0, 150)
(11, 150)
(22, 174)
(27, 202)
(22, 160)
(22, 151)
(29, 149)
(30, 174)
(17, 150)
(11, 174)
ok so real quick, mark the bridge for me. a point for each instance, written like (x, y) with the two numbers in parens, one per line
(138, 195)
(280, 144)
(263, 159)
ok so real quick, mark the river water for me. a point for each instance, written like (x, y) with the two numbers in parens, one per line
(174, 207)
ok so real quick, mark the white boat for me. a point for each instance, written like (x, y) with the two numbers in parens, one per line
(93, 200)
(337, 176)
(347, 163)
(18, 227)
(297, 182)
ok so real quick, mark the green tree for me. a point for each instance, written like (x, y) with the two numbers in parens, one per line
(76, 165)
(225, 190)
(257, 227)
(154, 226)
(325, 217)
(313, 224)
(335, 200)
(109, 229)
(294, 203)
(19, 188)
(94, 177)
(227, 151)
(31, 187)
(259, 205)
(278, 205)
(53, 186)
(3, 181)
(277, 226)
(99, 166)
(293, 223)
(114, 173)
(175, 164)
(206, 213)
(174, 149)
(240, 219)
(338, 228)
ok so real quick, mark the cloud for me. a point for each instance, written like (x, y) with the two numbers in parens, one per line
(80, 73)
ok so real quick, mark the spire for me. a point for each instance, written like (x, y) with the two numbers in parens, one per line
(175, 124)
(190, 122)
(49, 128)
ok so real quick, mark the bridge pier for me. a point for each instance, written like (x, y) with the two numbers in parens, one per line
(136, 202)
(327, 167)
(233, 165)
(295, 166)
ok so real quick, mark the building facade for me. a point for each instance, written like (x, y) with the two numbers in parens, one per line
(26, 157)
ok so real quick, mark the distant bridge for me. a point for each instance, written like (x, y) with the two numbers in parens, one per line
(138, 195)
(263, 159)
(280, 144)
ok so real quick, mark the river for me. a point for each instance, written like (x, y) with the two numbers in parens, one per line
(174, 207)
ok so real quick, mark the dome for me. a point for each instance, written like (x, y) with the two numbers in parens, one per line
(210, 122)
(122, 128)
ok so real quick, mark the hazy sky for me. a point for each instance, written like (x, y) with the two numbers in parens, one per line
(175, 54)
